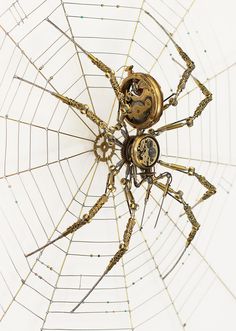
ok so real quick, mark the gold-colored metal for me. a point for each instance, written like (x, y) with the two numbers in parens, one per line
(84, 109)
(126, 237)
(193, 221)
(208, 98)
(123, 246)
(86, 218)
(145, 151)
(145, 99)
(189, 120)
(177, 167)
(141, 106)
(175, 125)
(211, 189)
(102, 66)
(114, 260)
(109, 73)
(187, 72)
(129, 196)
(103, 148)
(184, 78)
(155, 180)
(178, 195)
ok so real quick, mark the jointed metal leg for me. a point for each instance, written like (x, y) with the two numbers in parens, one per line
(178, 195)
(182, 83)
(87, 218)
(83, 108)
(102, 66)
(116, 258)
(173, 101)
(123, 246)
(155, 179)
(148, 191)
(189, 120)
(129, 196)
(211, 189)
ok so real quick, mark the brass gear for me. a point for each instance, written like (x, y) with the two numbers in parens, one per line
(103, 149)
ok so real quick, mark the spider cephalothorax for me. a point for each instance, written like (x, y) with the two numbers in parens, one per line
(141, 105)
(144, 97)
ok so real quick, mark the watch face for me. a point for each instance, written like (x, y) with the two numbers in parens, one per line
(144, 97)
(145, 151)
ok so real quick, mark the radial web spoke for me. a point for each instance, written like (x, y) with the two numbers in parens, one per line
(50, 175)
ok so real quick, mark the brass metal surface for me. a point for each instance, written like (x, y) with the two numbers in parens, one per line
(145, 99)
(140, 106)
(145, 151)
(103, 148)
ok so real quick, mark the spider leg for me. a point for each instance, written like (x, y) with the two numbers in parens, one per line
(188, 120)
(109, 73)
(190, 171)
(173, 101)
(129, 196)
(178, 196)
(83, 108)
(147, 195)
(87, 218)
(155, 179)
(126, 239)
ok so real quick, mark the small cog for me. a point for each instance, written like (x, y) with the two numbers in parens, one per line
(103, 149)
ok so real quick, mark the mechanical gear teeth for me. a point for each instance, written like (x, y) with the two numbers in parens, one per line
(103, 149)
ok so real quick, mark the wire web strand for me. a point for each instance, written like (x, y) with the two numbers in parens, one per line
(41, 168)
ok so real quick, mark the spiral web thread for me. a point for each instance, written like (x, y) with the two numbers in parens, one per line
(49, 176)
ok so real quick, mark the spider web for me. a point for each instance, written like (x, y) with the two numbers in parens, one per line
(49, 175)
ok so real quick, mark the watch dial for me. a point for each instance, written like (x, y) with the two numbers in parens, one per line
(147, 152)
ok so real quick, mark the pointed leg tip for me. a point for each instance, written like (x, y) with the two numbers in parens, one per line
(29, 254)
(75, 308)
(163, 277)
(155, 225)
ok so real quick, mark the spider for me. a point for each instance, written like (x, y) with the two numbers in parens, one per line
(141, 105)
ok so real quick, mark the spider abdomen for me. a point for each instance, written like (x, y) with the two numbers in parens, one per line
(143, 151)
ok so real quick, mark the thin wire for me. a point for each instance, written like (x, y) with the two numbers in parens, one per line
(63, 174)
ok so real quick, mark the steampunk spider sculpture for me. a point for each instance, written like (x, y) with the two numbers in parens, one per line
(141, 105)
